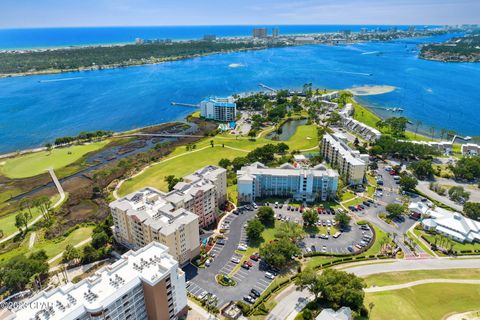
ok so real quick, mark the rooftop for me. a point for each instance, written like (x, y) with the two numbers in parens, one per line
(150, 264)
(346, 152)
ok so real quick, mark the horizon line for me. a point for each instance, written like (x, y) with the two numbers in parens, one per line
(219, 25)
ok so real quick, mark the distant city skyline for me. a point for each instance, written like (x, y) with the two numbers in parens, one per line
(86, 13)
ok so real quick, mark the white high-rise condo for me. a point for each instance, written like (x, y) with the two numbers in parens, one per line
(219, 109)
(143, 284)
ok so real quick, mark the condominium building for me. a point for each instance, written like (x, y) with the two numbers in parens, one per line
(143, 284)
(366, 132)
(470, 149)
(219, 109)
(259, 32)
(351, 165)
(275, 32)
(300, 183)
(444, 147)
(146, 215)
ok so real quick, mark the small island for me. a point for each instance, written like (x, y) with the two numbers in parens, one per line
(459, 49)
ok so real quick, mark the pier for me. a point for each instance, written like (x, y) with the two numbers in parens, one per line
(267, 87)
(185, 104)
(389, 109)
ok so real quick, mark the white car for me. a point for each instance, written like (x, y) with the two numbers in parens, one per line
(269, 275)
(235, 260)
(208, 262)
(242, 248)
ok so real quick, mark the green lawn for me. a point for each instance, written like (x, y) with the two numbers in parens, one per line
(375, 248)
(457, 245)
(392, 278)
(7, 222)
(421, 244)
(33, 164)
(364, 115)
(428, 301)
(232, 193)
(181, 162)
(51, 247)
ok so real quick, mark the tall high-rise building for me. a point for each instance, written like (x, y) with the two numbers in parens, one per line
(351, 165)
(259, 32)
(275, 32)
(143, 284)
(219, 109)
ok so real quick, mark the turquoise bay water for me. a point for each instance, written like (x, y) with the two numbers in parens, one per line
(37, 109)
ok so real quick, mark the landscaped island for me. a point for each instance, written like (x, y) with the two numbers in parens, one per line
(463, 49)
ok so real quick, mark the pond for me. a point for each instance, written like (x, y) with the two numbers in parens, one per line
(287, 130)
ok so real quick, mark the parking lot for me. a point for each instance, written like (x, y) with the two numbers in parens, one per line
(201, 281)
(323, 241)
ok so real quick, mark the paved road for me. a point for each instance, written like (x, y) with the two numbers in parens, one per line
(406, 265)
(419, 282)
(424, 187)
(291, 302)
(62, 198)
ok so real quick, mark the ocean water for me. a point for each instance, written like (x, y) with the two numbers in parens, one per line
(37, 109)
(62, 37)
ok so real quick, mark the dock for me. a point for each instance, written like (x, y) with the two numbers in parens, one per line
(185, 104)
(267, 87)
(389, 109)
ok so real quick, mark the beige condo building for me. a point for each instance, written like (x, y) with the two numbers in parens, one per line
(351, 165)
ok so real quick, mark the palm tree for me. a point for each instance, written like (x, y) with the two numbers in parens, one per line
(418, 123)
(443, 132)
(370, 306)
(432, 131)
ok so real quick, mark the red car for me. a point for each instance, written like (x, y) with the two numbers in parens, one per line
(255, 257)
(392, 173)
(245, 265)
(249, 263)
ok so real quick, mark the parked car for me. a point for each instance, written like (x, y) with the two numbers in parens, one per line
(249, 299)
(269, 275)
(221, 242)
(235, 260)
(255, 256)
(242, 248)
(245, 266)
(255, 292)
(249, 263)
(208, 263)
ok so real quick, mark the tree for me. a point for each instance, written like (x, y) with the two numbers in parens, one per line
(71, 254)
(1, 233)
(290, 231)
(343, 219)
(397, 125)
(467, 168)
(99, 239)
(44, 205)
(172, 181)
(458, 194)
(282, 147)
(239, 162)
(254, 229)
(310, 217)
(310, 280)
(394, 210)
(17, 272)
(279, 252)
(49, 147)
(89, 254)
(340, 288)
(224, 163)
(408, 182)
(266, 215)
(422, 169)
(471, 210)
(21, 221)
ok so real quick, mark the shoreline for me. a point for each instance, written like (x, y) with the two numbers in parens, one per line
(135, 63)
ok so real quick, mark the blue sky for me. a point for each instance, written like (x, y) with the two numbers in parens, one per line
(58, 13)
